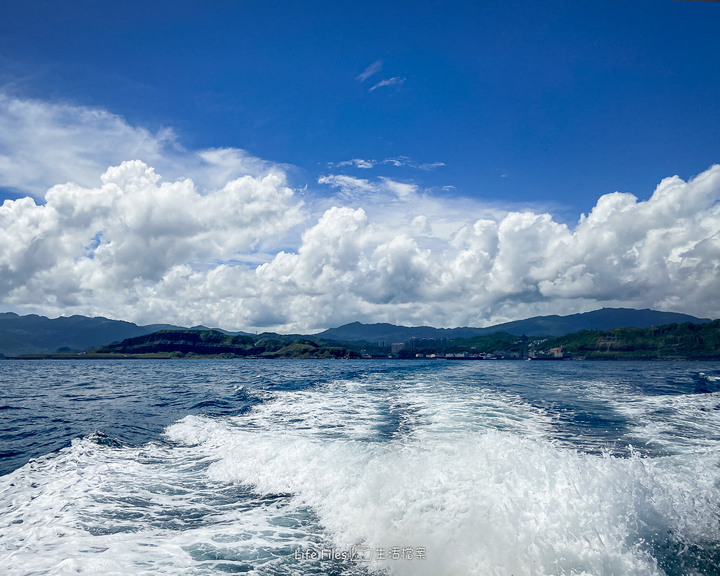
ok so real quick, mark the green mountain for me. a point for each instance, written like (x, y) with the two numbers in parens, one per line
(34, 334)
(384, 334)
(686, 341)
(603, 319)
(497, 344)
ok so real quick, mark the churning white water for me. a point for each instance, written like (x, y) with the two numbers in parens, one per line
(435, 469)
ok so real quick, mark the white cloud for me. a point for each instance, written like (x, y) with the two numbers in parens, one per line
(397, 162)
(395, 81)
(43, 144)
(350, 186)
(400, 203)
(241, 252)
(656, 253)
(139, 248)
(371, 70)
(357, 162)
(105, 247)
(431, 165)
(405, 161)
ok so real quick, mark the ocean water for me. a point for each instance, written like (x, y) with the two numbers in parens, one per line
(200, 467)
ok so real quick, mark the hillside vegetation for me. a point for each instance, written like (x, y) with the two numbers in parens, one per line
(40, 336)
(189, 343)
(686, 341)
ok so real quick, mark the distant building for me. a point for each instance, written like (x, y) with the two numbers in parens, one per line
(395, 347)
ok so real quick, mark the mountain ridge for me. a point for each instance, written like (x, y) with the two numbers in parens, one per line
(34, 334)
(551, 325)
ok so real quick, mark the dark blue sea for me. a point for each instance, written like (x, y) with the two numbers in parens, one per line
(262, 467)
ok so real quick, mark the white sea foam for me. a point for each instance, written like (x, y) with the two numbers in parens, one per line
(372, 409)
(482, 499)
(470, 475)
(94, 509)
(682, 423)
(494, 503)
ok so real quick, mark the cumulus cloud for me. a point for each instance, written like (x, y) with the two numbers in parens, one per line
(104, 247)
(402, 203)
(139, 248)
(241, 251)
(662, 253)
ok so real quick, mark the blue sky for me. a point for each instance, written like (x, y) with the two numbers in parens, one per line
(512, 106)
(551, 102)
